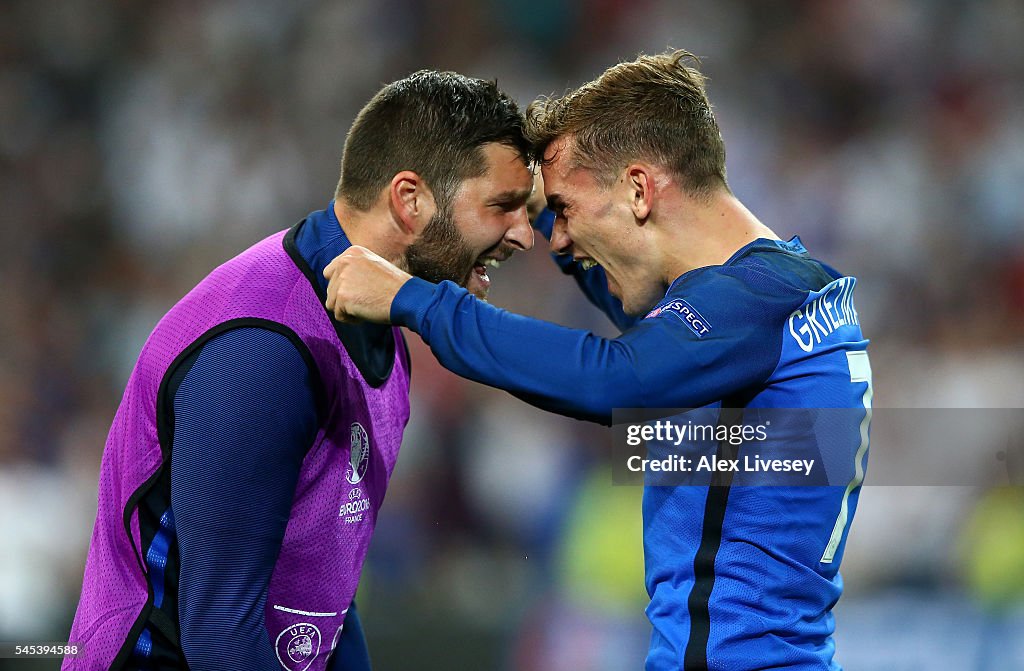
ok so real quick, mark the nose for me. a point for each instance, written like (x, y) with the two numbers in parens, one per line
(561, 243)
(520, 234)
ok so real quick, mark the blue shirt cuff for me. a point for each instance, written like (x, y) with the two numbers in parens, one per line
(410, 303)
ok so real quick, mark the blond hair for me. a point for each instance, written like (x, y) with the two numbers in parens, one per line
(653, 108)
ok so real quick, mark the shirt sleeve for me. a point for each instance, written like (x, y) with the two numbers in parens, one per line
(593, 283)
(352, 653)
(244, 418)
(660, 363)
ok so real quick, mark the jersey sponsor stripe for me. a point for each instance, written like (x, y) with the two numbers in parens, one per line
(695, 658)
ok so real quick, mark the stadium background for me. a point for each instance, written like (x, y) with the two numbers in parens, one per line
(141, 144)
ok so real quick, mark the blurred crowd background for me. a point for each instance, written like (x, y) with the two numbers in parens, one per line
(141, 144)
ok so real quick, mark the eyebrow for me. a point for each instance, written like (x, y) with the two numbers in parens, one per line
(512, 196)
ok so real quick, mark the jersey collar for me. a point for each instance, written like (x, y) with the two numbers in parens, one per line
(793, 246)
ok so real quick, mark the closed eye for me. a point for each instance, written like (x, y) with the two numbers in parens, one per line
(557, 205)
(510, 201)
(509, 206)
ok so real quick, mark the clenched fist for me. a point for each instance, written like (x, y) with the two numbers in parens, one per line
(362, 285)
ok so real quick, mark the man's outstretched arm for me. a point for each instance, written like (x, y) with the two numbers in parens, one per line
(658, 363)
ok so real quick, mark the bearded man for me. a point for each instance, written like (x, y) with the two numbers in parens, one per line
(249, 457)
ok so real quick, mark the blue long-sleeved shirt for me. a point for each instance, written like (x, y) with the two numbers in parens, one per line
(739, 577)
(658, 362)
(245, 400)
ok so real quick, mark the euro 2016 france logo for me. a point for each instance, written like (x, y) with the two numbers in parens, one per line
(297, 646)
(359, 456)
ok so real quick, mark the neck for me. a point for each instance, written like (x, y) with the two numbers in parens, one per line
(707, 233)
(373, 229)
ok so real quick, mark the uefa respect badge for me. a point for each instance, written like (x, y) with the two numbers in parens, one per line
(297, 646)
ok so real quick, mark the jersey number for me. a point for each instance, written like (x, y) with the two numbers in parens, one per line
(860, 371)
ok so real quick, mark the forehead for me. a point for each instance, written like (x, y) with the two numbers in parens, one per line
(557, 159)
(505, 168)
(563, 178)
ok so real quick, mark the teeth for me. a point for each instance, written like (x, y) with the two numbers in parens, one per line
(587, 264)
(493, 263)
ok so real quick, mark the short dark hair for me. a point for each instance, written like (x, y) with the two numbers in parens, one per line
(654, 108)
(433, 123)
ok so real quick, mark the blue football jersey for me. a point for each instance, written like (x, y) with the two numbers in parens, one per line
(742, 573)
(743, 576)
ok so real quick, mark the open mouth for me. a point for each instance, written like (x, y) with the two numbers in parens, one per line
(480, 277)
(479, 281)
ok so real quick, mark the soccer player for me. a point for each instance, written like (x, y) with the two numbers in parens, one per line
(245, 468)
(718, 314)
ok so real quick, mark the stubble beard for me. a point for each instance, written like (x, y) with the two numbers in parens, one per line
(440, 253)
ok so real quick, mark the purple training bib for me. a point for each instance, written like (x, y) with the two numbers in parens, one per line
(340, 488)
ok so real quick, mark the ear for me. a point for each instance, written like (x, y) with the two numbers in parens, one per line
(412, 203)
(640, 182)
